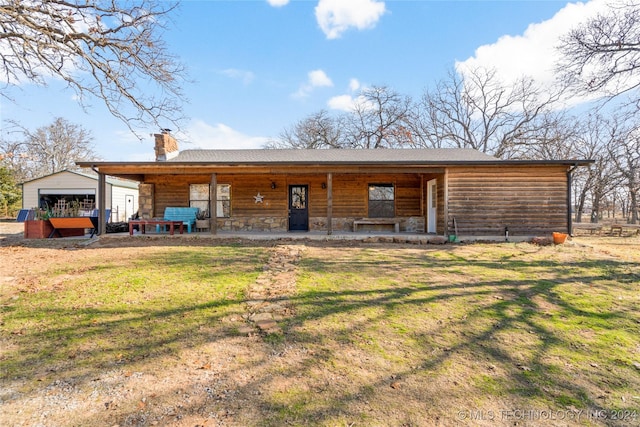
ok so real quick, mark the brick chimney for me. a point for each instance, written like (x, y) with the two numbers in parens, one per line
(166, 146)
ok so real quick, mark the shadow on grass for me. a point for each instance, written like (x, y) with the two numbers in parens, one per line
(109, 316)
(483, 328)
(483, 314)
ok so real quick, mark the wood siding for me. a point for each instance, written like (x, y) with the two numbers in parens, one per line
(528, 200)
(350, 193)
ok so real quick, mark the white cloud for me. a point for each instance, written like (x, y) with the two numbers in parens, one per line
(341, 102)
(315, 78)
(278, 3)
(245, 76)
(337, 16)
(534, 53)
(318, 78)
(219, 136)
(348, 101)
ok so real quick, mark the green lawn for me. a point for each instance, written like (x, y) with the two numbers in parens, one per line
(481, 334)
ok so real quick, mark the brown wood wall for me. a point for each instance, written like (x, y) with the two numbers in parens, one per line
(484, 200)
(527, 200)
(350, 193)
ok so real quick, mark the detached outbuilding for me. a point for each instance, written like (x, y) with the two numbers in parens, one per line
(437, 191)
(121, 196)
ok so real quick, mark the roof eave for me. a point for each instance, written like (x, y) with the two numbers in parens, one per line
(580, 162)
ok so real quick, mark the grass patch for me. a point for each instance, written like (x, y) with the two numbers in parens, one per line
(147, 305)
(378, 335)
(514, 321)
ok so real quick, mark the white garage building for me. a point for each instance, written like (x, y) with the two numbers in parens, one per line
(121, 195)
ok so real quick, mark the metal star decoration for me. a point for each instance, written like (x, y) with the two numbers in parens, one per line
(258, 198)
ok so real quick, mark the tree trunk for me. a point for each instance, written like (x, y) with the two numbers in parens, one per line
(595, 209)
(633, 206)
(580, 206)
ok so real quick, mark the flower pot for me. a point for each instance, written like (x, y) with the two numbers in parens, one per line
(202, 224)
(37, 229)
(559, 238)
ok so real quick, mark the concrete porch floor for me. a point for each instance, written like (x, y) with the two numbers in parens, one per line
(257, 235)
(382, 237)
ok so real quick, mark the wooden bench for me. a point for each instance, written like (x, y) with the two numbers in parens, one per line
(79, 222)
(186, 215)
(142, 224)
(619, 228)
(377, 221)
(592, 228)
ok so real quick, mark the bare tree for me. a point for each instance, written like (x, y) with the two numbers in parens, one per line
(319, 130)
(556, 137)
(603, 55)
(625, 154)
(379, 120)
(477, 110)
(48, 149)
(107, 49)
(599, 180)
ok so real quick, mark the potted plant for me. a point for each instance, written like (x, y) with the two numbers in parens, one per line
(202, 220)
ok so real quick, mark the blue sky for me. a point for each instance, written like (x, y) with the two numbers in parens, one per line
(260, 66)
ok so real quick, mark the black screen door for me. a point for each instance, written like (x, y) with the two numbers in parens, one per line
(298, 208)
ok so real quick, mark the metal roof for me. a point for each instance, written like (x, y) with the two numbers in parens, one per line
(90, 175)
(422, 157)
(343, 156)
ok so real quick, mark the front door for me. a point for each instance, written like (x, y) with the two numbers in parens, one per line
(298, 208)
(432, 198)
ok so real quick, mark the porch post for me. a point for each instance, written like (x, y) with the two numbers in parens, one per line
(422, 210)
(102, 201)
(329, 203)
(446, 204)
(213, 204)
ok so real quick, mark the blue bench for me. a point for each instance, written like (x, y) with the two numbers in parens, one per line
(186, 215)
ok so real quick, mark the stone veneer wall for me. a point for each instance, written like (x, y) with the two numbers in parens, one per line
(280, 224)
(145, 200)
(251, 223)
(413, 224)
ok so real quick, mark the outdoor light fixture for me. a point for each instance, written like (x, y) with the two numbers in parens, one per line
(273, 185)
(324, 185)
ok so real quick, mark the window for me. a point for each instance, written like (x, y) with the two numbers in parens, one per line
(224, 201)
(381, 201)
(199, 197)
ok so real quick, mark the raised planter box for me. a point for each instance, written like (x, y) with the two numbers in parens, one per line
(71, 226)
(37, 229)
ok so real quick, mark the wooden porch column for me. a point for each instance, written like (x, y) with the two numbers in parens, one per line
(329, 203)
(213, 204)
(446, 203)
(422, 210)
(102, 201)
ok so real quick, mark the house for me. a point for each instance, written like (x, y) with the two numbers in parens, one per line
(440, 191)
(121, 196)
